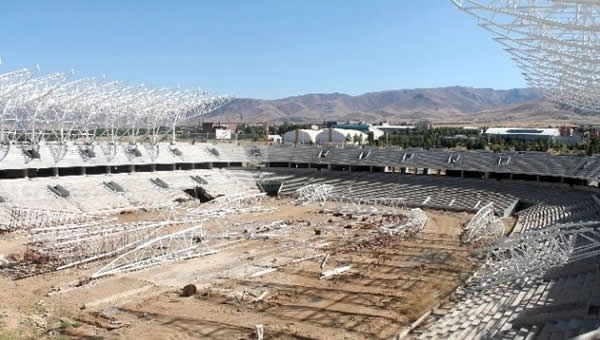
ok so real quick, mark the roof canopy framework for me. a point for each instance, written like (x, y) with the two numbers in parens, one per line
(59, 108)
(555, 43)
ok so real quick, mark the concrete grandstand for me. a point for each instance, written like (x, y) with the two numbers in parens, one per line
(106, 202)
(538, 189)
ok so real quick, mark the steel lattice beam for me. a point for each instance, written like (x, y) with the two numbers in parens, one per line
(484, 226)
(532, 253)
(555, 43)
(313, 193)
(173, 247)
(59, 109)
(415, 223)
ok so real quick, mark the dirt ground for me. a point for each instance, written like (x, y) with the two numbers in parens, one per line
(392, 281)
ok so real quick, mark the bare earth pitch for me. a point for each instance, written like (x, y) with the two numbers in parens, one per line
(273, 281)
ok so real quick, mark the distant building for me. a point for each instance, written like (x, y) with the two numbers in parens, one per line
(353, 126)
(211, 127)
(594, 133)
(300, 136)
(385, 127)
(377, 132)
(566, 131)
(276, 139)
(329, 135)
(222, 133)
(523, 133)
(424, 124)
(341, 136)
(472, 129)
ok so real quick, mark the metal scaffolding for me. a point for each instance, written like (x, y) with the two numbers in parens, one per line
(68, 239)
(313, 193)
(174, 247)
(532, 253)
(555, 43)
(66, 113)
(484, 226)
(23, 219)
(415, 223)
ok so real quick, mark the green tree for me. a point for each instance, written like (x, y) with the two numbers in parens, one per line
(370, 138)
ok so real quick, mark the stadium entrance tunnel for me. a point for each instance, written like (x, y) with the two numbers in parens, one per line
(499, 175)
(278, 165)
(319, 166)
(185, 166)
(44, 172)
(95, 170)
(71, 171)
(199, 193)
(202, 165)
(299, 165)
(337, 167)
(144, 168)
(120, 169)
(474, 174)
(453, 173)
(525, 177)
(164, 167)
(363, 168)
(574, 181)
(10, 174)
(550, 179)
(524, 204)
(271, 188)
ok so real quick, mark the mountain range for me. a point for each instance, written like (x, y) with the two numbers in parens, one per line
(457, 104)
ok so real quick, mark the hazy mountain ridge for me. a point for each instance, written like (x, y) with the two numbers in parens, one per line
(445, 104)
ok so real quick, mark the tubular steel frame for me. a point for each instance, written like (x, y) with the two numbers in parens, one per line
(532, 253)
(555, 44)
(60, 111)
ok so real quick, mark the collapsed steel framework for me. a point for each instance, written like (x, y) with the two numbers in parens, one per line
(187, 243)
(532, 253)
(173, 247)
(67, 239)
(484, 226)
(555, 43)
(313, 193)
(416, 220)
(61, 110)
(23, 218)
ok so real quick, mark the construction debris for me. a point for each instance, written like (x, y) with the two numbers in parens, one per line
(416, 220)
(263, 272)
(261, 296)
(260, 332)
(110, 325)
(313, 193)
(485, 226)
(324, 261)
(334, 272)
(174, 247)
(240, 297)
(189, 290)
(531, 254)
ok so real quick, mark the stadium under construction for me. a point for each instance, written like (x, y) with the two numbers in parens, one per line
(110, 223)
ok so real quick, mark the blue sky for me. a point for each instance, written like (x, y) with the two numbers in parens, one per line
(258, 48)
